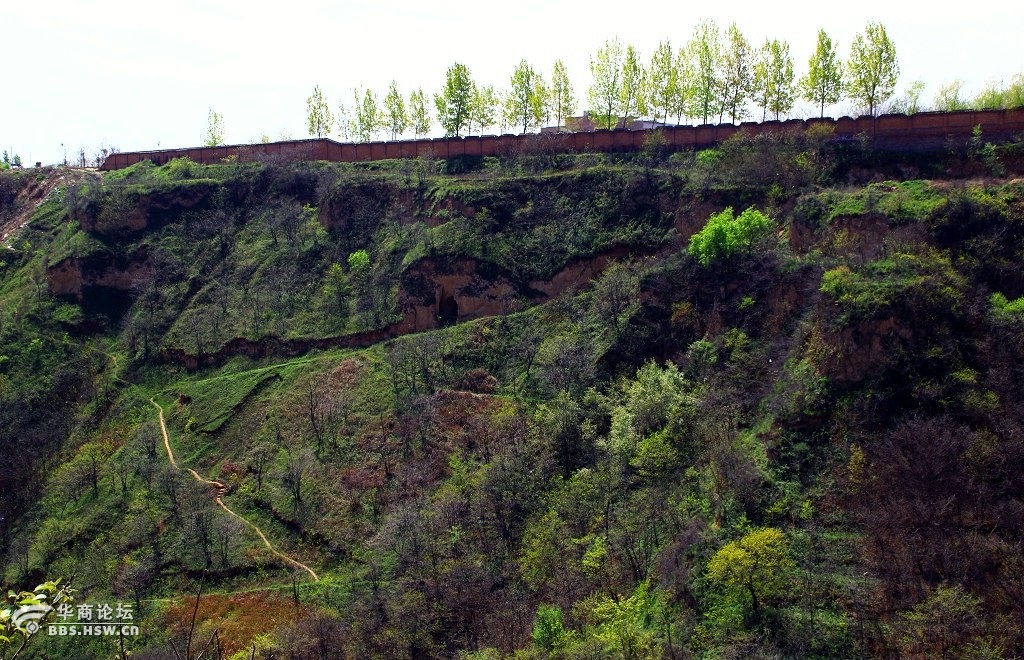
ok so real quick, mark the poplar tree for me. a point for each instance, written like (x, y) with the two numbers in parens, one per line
(737, 75)
(395, 116)
(368, 117)
(485, 105)
(214, 129)
(419, 115)
(563, 101)
(774, 85)
(318, 114)
(872, 67)
(681, 100)
(704, 51)
(662, 81)
(541, 100)
(522, 105)
(632, 96)
(455, 101)
(823, 84)
(606, 89)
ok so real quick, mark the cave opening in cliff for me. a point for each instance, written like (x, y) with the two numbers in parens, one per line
(448, 311)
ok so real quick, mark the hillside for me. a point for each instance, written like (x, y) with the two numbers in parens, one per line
(760, 400)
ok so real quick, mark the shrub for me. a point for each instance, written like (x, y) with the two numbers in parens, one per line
(920, 282)
(548, 628)
(1004, 309)
(725, 235)
(755, 567)
(358, 262)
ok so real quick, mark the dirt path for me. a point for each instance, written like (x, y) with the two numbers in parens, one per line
(221, 489)
(34, 193)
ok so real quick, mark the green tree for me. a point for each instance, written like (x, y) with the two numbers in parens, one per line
(633, 627)
(656, 407)
(992, 97)
(563, 101)
(704, 52)
(548, 627)
(605, 91)
(682, 100)
(368, 117)
(337, 289)
(484, 112)
(318, 115)
(633, 97)
(949, 97)
(522, 105)
(943, 625)
(910, 102)
(1013, 97)
(214, 136)
(756, 565)
(725, 235)
(455, 101)
(823, 84)
(616, 296)
(662, 81)
(395, 117)
(419, 115)
(346, 122)
(773, 78)
(359, 264)
(737, 76)
(872, 68)
(542, 100)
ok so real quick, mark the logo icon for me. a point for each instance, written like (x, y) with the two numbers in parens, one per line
(27, 617)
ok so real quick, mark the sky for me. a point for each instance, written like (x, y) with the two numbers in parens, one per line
(144, 75)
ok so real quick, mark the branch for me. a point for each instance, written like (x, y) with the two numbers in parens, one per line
(192, 625)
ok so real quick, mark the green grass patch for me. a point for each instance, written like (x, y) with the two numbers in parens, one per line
(902, 202)
(216, 400)
(918, 280)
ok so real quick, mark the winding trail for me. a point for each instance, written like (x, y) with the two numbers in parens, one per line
(221, 489)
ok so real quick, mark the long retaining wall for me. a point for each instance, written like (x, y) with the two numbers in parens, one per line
(926, 131)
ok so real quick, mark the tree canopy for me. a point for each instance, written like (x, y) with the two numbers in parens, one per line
(823, 83)
(455, 101)
(605, 92)
(872, 68)
(318, 115)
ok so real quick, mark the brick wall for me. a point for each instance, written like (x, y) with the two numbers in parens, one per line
(926, 131)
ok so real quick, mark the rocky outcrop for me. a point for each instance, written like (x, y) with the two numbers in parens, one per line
(75, 275)
(863, 350)
(433, 293)
(436, 291)
(357, 206)
(125, 209)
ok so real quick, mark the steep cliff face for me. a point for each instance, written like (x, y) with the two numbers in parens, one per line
(441, 291)
(128, 209)
(74, 276)
(471, 402)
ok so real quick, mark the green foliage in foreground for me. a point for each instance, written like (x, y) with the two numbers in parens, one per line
(16, 631)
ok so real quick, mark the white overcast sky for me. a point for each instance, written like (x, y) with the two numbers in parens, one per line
(137, 74)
